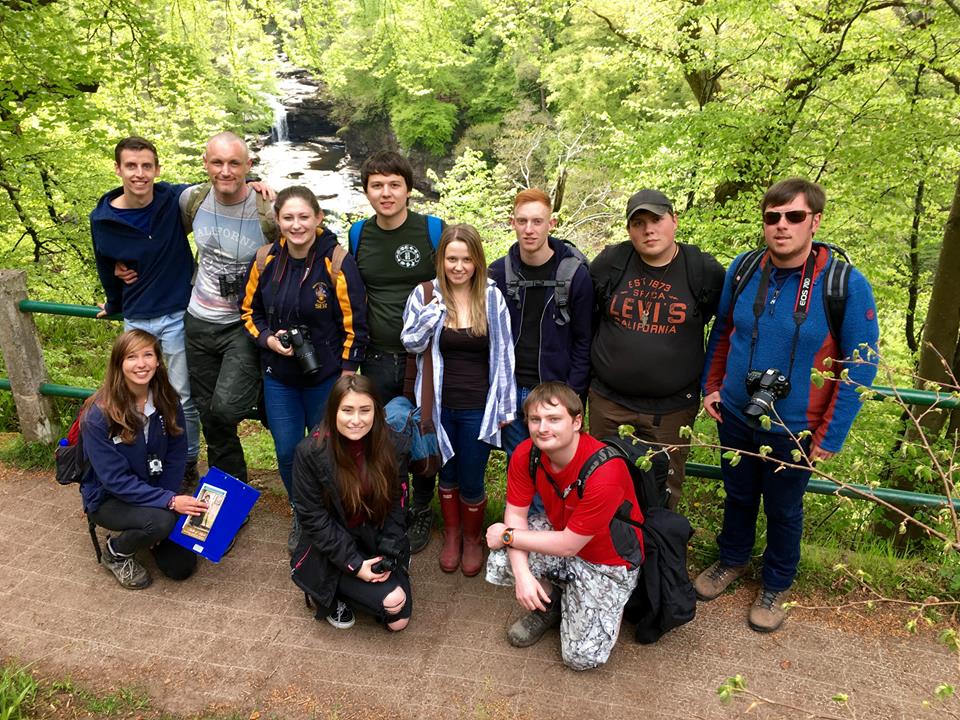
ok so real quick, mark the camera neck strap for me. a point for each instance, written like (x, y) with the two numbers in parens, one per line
(800, 306)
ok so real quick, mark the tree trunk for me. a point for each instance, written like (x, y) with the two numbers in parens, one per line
(940, 331)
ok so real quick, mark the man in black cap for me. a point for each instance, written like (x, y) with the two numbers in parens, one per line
(655, 297)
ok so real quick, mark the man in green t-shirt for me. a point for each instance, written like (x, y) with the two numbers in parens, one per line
(395, 254)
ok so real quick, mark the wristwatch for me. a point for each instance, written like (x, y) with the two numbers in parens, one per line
(506, 537)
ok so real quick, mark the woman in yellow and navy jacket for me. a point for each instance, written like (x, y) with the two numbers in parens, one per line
(305, 307)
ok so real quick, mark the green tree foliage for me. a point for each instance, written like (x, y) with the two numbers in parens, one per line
(75, 77)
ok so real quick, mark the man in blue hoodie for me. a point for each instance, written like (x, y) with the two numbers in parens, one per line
(547, 286)
(137, 227)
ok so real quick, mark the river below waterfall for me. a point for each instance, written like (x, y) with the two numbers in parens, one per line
(304, 151)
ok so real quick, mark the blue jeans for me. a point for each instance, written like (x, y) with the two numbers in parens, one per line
(168, 329)
(782, 494)
(291, 413)
(514, 434)
(467, 467)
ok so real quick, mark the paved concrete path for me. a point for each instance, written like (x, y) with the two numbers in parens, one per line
(237, 636)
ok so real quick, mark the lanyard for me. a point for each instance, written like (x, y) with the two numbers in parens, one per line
(800, 306)
(278, 273)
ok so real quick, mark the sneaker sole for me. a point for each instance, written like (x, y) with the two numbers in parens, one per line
(341, 625)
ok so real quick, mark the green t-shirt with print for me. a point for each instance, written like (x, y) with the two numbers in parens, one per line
(392, 263)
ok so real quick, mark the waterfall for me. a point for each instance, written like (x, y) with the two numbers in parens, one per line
(278, 133)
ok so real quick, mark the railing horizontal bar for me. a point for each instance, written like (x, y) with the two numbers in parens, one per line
(825, 487)
(50, 308)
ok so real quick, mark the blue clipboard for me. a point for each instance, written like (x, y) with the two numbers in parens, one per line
(230, 502)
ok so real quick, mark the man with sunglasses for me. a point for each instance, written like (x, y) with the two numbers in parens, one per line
(772, 329)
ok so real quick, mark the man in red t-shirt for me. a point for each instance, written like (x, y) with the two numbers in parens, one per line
(576, 564)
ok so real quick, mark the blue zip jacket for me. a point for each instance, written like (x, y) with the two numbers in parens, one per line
(564, 349)
(120, 470)
(828, 411)
(335, 313)
(162, 259)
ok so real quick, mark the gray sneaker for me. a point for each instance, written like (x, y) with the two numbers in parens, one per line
(126, 569)
(419, 527)
(715, 579)
(767, 613)
(530, 628)
(341, 617)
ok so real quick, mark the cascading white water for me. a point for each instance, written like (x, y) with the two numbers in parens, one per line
(278, 132)
(318, 161)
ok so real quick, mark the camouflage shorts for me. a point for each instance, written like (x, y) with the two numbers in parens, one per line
(592, 603)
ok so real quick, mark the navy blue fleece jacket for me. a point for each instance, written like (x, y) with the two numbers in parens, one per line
(162, 258)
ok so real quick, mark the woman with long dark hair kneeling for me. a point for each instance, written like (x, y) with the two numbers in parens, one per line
(132, 430)
(347, 491)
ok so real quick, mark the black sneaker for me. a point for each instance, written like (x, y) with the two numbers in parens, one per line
(419, 527)
(342, 616)
(126, 569)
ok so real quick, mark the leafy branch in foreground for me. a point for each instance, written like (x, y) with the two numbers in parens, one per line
(937, 464)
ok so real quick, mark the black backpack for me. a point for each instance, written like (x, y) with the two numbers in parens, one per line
(835, 286)
(706, 299)
(664, 597)
(70, 462)
(566, 269)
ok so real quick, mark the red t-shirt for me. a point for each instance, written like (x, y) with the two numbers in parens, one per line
(604, 492)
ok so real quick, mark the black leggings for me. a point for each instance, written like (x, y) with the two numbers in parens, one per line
(369, 595)
(146, 527)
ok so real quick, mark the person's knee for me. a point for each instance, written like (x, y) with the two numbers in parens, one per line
(393, 603)
(398, 625)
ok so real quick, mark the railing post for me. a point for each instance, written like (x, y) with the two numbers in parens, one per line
(23, 355)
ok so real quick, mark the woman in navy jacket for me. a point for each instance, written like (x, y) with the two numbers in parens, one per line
(305, 294)
(133, 436)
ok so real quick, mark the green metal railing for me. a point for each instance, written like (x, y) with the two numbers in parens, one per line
(909, 396)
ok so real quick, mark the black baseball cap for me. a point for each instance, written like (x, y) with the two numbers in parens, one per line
(652, 200)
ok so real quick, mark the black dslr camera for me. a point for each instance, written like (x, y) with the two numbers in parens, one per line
(298, 338)
(391, 557)
(229, 285)
(765, 389)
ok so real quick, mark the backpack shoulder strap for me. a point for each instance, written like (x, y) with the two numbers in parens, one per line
(336, 262)
(747, 266)
(434, 230)
(693, 261)
(268, 226)
(511, 280)
(835, 289)
(620, 258)
(261, 260)
(566, 269)
(591, 464)
(356, 230)
(197, 196)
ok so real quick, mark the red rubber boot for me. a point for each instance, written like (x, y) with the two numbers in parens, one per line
(472, 517)
(450, 511)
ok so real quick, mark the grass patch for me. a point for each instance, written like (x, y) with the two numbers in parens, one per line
(18, 691)
(14, 451)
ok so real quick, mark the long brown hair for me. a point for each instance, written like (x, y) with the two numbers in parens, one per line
(118, 403)
(378, 453)
(468, 235)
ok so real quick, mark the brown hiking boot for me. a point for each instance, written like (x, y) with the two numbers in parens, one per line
(767, 613)
(715, 579)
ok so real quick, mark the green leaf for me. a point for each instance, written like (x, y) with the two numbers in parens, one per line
(765, 422)
(765, 450)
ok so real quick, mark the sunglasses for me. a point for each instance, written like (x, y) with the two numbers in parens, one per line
(794, 217)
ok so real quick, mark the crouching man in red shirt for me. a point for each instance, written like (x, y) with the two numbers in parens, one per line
(576, 564)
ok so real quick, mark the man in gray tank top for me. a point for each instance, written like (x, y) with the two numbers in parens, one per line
(230, 221)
